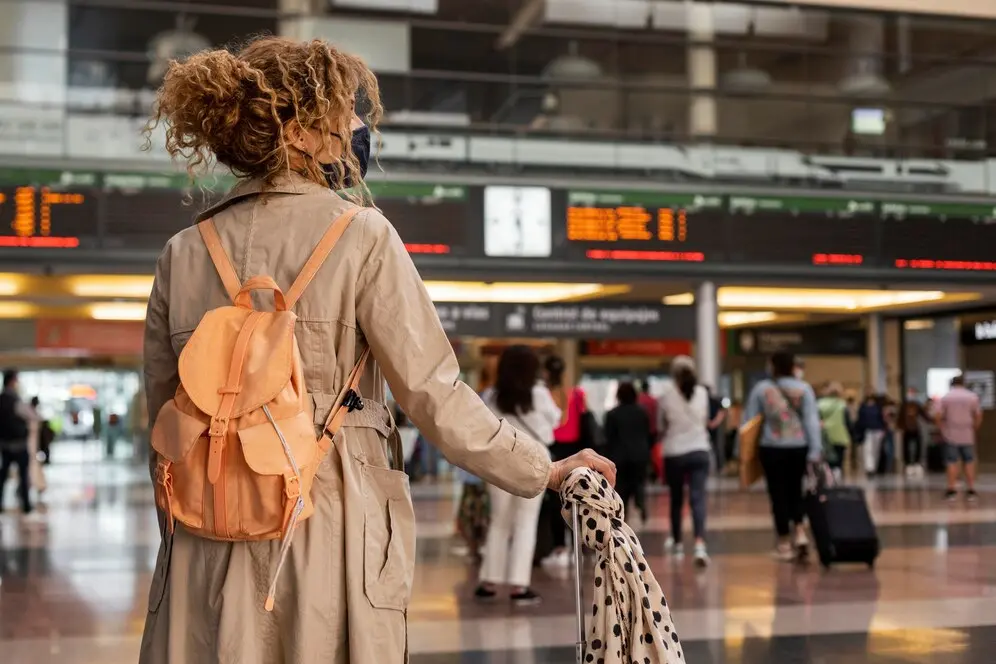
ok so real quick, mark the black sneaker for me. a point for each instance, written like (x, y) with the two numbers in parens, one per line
(950, 495)
(971, 496)
(483, 593)
(525, 598)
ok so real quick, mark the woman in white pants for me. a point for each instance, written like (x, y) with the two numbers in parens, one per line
(527, 405)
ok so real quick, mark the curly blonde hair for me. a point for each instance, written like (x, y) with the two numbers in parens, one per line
(234, 108)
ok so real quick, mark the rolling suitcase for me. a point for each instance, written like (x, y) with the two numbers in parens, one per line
(842, 526)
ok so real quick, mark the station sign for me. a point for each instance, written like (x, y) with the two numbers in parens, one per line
(568, 320)
(798, 341)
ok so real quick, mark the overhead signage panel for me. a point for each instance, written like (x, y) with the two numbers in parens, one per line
(569, 320)
(140, 211)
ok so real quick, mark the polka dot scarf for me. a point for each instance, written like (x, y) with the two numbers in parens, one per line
(630, 622)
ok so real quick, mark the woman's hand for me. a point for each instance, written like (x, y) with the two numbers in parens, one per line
(583, 459)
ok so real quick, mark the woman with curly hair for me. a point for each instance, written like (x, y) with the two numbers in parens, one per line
(281, 115)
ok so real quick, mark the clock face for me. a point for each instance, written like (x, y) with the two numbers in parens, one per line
(517, 222)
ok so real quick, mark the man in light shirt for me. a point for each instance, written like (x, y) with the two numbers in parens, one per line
(959, 417)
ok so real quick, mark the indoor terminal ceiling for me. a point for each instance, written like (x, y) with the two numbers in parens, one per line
(122, 297)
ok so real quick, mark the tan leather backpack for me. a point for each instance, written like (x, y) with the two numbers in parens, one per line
(237, 445)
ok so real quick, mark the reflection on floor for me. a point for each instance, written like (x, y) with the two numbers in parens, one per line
(74, 588)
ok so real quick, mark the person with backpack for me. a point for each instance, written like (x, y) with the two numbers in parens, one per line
(16, 418)
(790, 439)
(288, 531)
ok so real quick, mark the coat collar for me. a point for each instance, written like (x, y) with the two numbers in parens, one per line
(289, 183)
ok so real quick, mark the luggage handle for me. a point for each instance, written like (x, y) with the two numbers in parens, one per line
(817, 471)
(578, 593)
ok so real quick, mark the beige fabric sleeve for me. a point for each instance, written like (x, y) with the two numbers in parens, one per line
(399, 321)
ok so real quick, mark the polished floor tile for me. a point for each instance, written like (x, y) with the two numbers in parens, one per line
(73, 589)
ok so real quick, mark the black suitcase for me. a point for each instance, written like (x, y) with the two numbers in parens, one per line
(842, 525)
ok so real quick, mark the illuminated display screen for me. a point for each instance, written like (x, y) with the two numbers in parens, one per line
(128, 214)
(657, 227)
(131, 211)
(45, 217)
(958, 237)
(644, 226)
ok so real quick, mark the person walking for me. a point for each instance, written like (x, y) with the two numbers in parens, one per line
(16, 419)
(281, 115)
(790, 438)
(836, 424)
(628, 438)
(567, 441)
(872, 429)
(912, 417)
(526, 403)
(684, 420)
(959, 416)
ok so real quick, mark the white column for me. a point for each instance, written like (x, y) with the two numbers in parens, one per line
(37, 75)
(702, 111)
(707, 334)
(296, 11)
(876, 358)
(569, 351)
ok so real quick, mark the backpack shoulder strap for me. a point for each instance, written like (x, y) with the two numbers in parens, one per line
(318, 256)
(230, 279)
(340, 407)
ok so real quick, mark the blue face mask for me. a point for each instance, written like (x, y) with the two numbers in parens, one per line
(361, 148)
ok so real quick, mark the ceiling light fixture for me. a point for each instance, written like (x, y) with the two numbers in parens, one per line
(17, 310)
(530, 293)
(123, 311)
(740, 318)
(113, 286)
(815, 299)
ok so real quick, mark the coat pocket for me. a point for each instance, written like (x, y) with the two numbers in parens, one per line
(388, 538)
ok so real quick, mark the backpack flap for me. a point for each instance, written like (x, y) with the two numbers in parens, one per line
(206, 361)
(264, 452)
(175, 432)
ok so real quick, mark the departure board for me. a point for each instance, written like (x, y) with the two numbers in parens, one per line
(431, 219)
(46, 217)
(695, 228)
(651, 227)
(939, 236)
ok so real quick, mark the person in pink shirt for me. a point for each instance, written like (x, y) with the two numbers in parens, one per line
(959, 417)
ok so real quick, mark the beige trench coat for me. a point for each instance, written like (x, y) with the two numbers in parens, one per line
(343, 596)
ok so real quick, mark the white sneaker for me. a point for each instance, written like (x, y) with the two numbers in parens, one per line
(701, 555)
(672, 548)
(784, 553)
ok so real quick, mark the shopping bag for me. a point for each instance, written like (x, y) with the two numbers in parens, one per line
(750, 456)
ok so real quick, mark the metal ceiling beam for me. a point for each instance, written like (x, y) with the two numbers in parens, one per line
(528, 16)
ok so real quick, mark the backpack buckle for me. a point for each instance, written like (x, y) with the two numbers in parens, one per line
(218, 428)
(352, 401)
